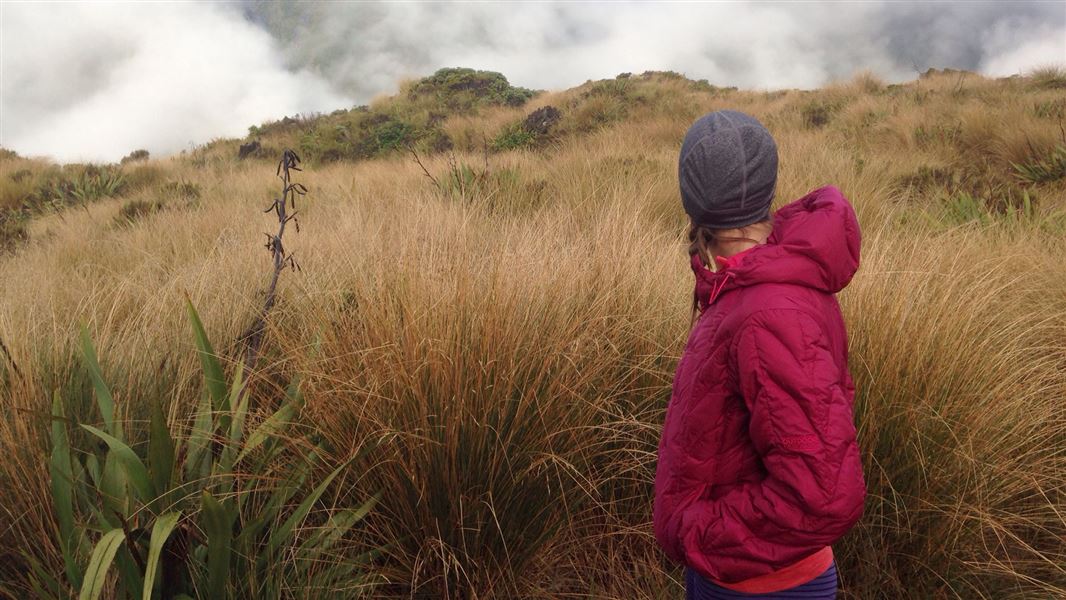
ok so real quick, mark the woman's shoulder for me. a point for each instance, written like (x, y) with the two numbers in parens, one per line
(769, 300)
(782, 305)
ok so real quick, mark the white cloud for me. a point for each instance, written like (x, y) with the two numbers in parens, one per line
(95, 81)
(1043, 46)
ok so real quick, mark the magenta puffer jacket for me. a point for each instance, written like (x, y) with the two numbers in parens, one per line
(758, 463)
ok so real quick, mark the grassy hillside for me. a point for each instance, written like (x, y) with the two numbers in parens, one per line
(493, 297)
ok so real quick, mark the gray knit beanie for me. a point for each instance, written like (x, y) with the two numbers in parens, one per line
(727, 170)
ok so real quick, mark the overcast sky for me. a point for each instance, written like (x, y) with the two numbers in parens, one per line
(95, 81)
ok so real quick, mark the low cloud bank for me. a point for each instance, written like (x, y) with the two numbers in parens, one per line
(93, 82)
(364, 48)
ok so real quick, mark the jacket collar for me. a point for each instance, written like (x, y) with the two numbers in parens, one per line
(814, 243)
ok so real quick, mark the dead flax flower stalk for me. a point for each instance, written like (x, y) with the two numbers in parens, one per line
(281, 206)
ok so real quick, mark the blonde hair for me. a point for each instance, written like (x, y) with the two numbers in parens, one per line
(703, 242)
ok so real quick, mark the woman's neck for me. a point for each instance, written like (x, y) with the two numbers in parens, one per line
(735, 241)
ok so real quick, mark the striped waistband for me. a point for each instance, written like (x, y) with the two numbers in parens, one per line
(823, 587)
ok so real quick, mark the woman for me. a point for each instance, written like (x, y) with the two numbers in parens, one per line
(759, 470)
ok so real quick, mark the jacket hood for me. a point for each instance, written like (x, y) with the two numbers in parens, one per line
(814, 243)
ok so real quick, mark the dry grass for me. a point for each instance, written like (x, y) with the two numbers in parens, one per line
(514, 343)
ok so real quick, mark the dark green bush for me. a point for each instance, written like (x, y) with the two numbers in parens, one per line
(702, 85)
(462, 90)
(364, 135)
(390, 135)
(135, 156)
(529, 132)
(284, 125)
(513, 137)
(663, 75)
(541, 121)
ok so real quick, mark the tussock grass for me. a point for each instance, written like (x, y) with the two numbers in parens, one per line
(512, 344)
(1049, 77)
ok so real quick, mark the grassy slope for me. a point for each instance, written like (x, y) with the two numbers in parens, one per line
(513, 334)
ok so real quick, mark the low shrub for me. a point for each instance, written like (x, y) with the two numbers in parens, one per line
(462, 90)
(542, 120)
(702, 85)
(365, 135)
(513, 137)
(249, 149)
(135, 156)
(390, 135)
(284, 125)
(529, 132)
(662, 75)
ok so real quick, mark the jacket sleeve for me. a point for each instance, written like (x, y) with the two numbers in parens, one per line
(801, 425)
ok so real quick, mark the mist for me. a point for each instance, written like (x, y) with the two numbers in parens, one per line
(96, 81)
(93, 82)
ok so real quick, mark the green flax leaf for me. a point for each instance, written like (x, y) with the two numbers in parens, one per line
(136, 473)
(99, 563)
(218, 525)
(160, 452)
(103, 394)
(161, 530)
(63, 489)
(213, 374)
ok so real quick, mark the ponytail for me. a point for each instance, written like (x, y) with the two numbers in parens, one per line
(700, 240)
(703, 242)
